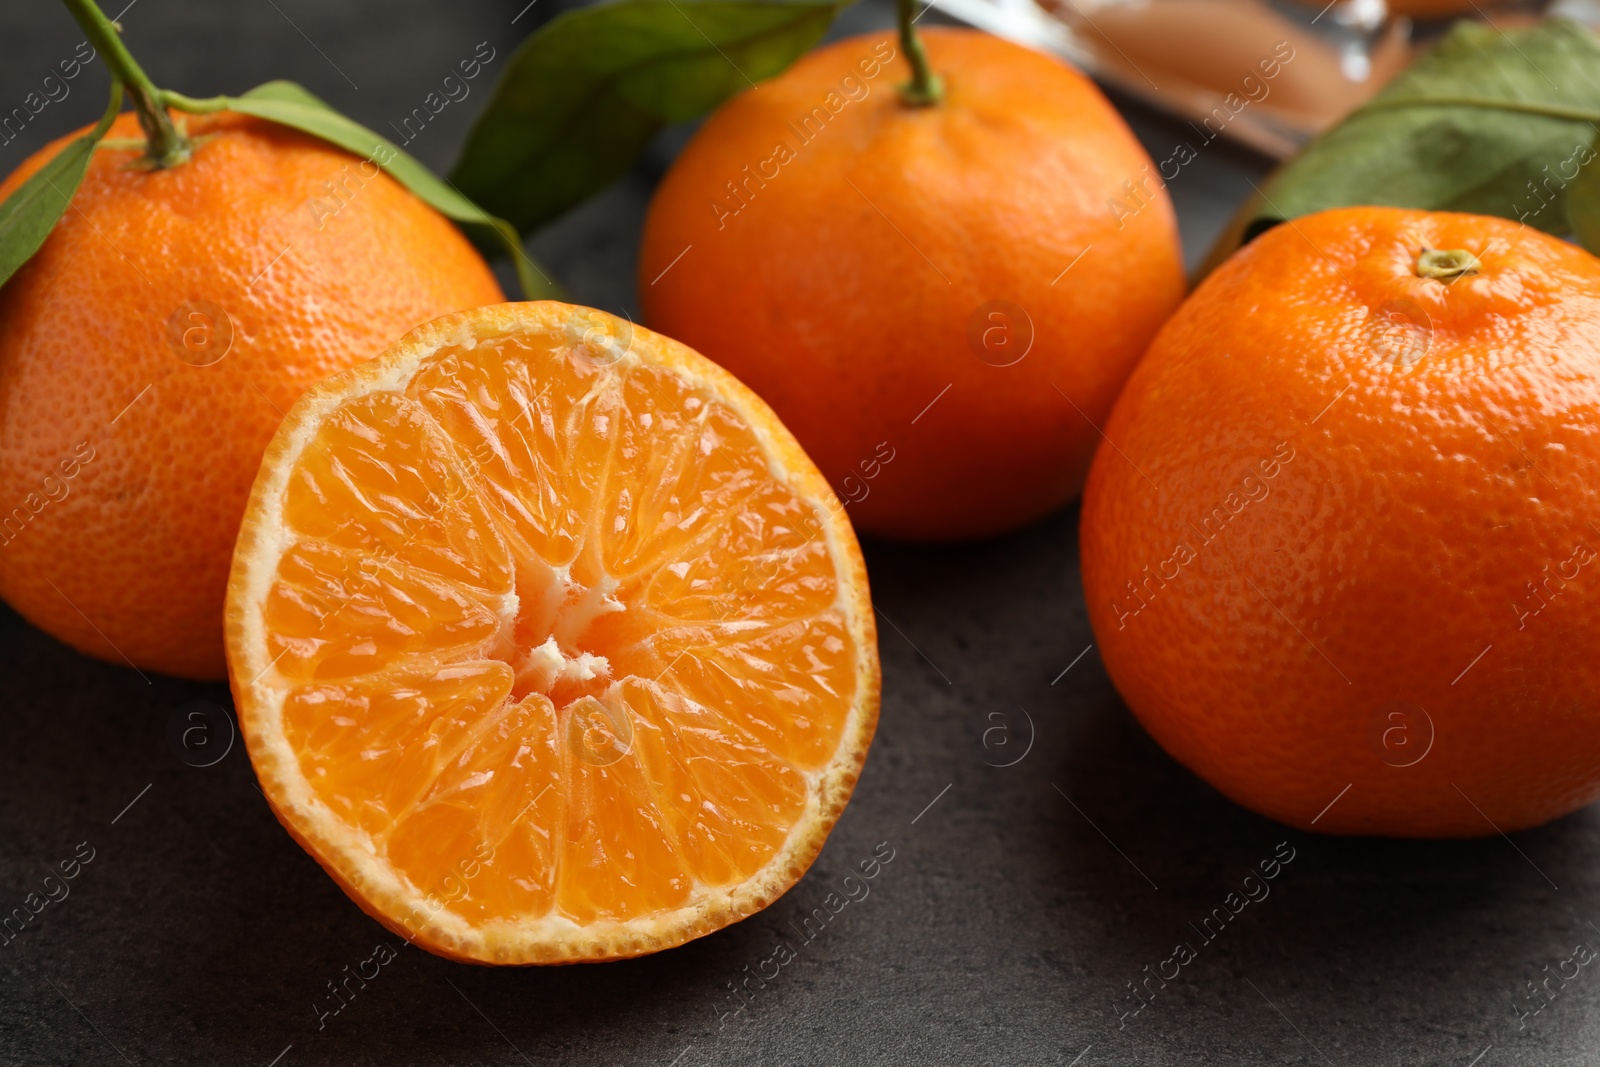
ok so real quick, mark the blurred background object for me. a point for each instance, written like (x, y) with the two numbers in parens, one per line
(1269, 75)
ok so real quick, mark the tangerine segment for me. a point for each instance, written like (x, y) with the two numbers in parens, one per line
(547, 639)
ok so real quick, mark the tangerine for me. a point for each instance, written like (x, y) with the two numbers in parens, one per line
(548, 641)
(151, 346)
(940, 301)
(1339, 549)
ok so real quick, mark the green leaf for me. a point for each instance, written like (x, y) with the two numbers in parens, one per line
(32, 210)
(1583, 202)
(582, 97)
(291, 105)
(1489, 121)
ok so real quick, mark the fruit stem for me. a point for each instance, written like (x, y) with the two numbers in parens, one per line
(206, 106)
(925, 88)
(1446, 265)
(165, 144)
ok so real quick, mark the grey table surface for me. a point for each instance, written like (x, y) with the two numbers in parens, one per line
(1021, 900)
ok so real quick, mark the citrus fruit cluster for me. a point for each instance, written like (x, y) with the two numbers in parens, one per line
(548, 637)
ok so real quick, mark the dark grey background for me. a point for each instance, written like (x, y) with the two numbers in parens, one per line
(1006, 927)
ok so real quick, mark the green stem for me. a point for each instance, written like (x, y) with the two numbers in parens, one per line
(165, 145)
(113, 109)
(925, 88)
(1551, 111)
(178, 102)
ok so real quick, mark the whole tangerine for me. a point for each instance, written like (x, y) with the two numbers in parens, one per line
(1340, 552)
(150, 348)
(940, 301)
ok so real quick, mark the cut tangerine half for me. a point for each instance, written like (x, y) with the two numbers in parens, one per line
(548, 641)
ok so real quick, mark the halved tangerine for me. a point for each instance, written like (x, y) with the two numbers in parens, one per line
(548, 641)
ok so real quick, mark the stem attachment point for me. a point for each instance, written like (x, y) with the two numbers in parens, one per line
(165, 144)
(1446, 265)
(925, 89)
